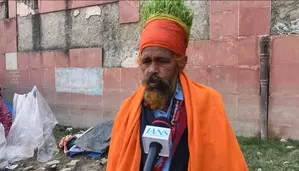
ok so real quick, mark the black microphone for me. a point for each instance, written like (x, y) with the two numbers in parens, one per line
(156, 142)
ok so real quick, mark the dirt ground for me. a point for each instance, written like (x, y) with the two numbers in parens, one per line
(84, 163)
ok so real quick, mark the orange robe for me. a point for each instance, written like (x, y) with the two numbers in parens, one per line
(212, 143)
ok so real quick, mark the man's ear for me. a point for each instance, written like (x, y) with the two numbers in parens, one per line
(184, 60)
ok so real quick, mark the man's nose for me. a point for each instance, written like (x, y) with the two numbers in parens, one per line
(153, 68)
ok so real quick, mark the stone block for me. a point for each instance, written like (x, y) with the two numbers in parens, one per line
(48, 79)
(11, 61)
(254, 21)
(55, 58)
(112, 79)
(35, 60)
(248, 51)
(200, 27)
(84, 3)
(23, 58)
(53, 30)
(284, 17)
(283, 80)
(221, 6)
(25, 33)
(128, 11)
(283, 116)
(2, 78)
(249, 108)
(24, 78)
(2, 62)
(224, 24)
(255, 4)
(285, 50)
(12, 79)
(36, 76)
(94, 102)
(51, 5)
(199, 74)
(131, 78)
(224, 79)
(230, 104)
(224, 52)
(2, 11)
(246, 129)
(248, 81)
(86, 57)
(12, 5)
(10, 27)
(111, 104)
(198, 53)
(102, 32)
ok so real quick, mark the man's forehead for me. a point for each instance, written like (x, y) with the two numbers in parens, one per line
(157, 51)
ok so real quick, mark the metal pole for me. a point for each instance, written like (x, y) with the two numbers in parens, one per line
(264, 84)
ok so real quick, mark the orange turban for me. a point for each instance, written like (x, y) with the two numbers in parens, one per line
(166, 34)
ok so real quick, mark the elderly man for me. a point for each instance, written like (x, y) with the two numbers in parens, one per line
(203, 139)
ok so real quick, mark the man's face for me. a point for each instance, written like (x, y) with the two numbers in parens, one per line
(160, 73)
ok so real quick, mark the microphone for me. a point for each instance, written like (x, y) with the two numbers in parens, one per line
(156, 142)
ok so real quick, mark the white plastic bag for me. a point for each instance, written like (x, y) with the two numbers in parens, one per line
(3, 162)
(31, 129)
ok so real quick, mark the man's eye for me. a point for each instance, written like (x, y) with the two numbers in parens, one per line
(146, 61)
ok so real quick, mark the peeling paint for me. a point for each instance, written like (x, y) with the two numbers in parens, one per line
(88, 81)
(24, 10)
(76, 12)
(91, 11)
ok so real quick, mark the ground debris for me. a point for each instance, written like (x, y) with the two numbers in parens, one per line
(103, 161)
(28, 168)
(54, 162)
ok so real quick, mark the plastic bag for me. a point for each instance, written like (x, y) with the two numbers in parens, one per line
(31, 129)
(3, 162)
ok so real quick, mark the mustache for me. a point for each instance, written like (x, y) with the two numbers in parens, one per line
(160, 83)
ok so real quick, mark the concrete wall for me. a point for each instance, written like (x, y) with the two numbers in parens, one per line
(82, 56)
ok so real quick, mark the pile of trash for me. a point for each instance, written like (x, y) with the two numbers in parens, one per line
(93, 143)
(25, 127)
(26, 130)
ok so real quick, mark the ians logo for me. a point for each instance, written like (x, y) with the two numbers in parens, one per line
(157, 132)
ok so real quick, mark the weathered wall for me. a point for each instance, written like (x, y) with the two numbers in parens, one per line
(82, 56)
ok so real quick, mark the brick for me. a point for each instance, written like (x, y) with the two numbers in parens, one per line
(198, 74)
(2, 78)
(230, 103)
(25, 89)
(48, 79)
(2, 27)
(221, 6)
(93, 117)
(248, 51)
(86, 57)
(36, 76)
(10, 35)
(131, 79)
(61, 59)
(128, 11)
(81, 3)
(198, 53)
(285, 50)
(12, 4)
(249, 108)
(248, 81)
(283, 80)
(246, 129)
(111, 104)
(224, 24)
(12, 77)
(254, 21)
(94, 102)
(124, 95)
(48, 59)
(24, 78)
(2, 62)
(255, 4)
(48, 94)
(224, 52)
(63, 99)
(23, 60)
(35, 60)
(78, 100)
(283, 118)
(51, 5)
(2, 44)
(224, 79)
(112, 79)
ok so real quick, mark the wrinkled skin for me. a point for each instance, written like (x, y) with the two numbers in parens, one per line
(161, 71)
